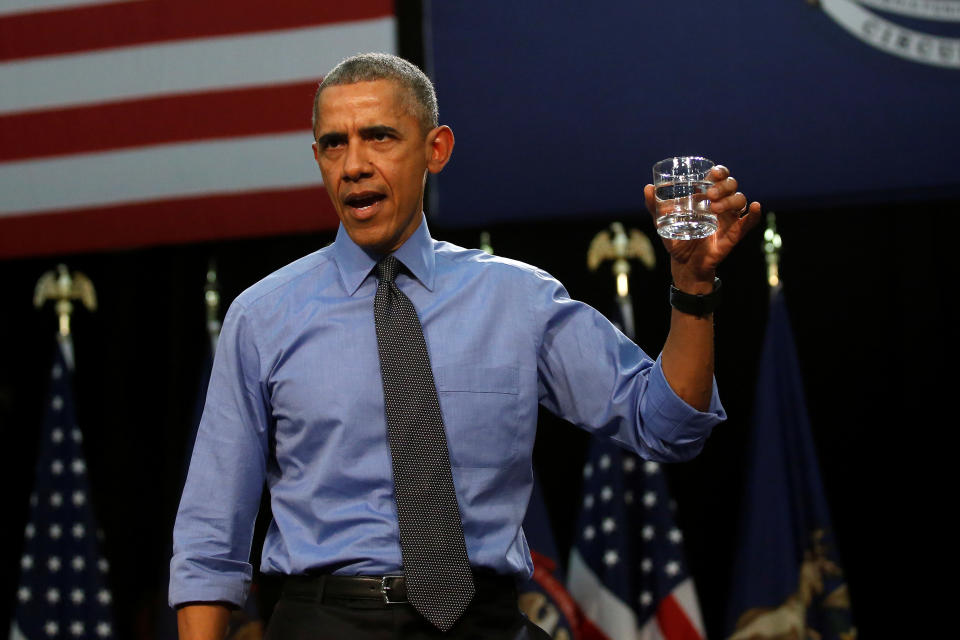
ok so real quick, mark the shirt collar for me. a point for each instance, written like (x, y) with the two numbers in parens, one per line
(355, 262)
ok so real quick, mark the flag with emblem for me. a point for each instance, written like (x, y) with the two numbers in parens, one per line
(788, 580)
(63, 577)
(627, 569)
(544, 598)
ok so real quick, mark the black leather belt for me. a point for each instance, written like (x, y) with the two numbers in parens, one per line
(389, 589)
(386, 589)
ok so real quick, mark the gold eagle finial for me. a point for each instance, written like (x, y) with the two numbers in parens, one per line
(64, 287)
(620, 248)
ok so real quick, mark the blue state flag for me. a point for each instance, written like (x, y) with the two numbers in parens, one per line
(165, 618)
(63, 589)
(245, 622)
(543, 598)
(788, 582)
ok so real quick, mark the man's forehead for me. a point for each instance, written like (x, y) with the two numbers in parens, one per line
(364, 103)
(386, 94)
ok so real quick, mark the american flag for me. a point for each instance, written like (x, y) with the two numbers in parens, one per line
(63, 587)
(133, 122)
(627, 570)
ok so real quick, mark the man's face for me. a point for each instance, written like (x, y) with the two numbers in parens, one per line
(374, 156)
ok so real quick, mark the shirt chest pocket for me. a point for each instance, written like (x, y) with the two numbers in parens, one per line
(481, 412)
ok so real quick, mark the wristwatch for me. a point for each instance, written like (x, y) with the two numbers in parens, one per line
(700, 305)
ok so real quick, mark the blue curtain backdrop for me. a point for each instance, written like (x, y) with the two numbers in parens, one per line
(561, 108)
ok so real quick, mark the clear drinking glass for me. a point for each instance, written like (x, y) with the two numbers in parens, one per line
(683, 208)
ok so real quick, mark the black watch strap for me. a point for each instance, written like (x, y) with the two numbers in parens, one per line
(699, 305)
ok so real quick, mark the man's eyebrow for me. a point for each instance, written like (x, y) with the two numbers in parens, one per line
(377, 130)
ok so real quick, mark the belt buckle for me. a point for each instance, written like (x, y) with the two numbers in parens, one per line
(386, 588)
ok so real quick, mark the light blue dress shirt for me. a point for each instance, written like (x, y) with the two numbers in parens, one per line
(296, 399)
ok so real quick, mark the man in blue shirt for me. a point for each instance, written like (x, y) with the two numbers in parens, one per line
(296, 398)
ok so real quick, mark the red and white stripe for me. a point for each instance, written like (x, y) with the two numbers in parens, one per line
(677, 618)
(133, 122)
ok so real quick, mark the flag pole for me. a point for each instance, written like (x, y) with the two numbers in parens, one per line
(771, 247)
(211, 298)
(485, 245)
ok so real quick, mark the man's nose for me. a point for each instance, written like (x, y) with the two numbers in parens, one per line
(356, 164)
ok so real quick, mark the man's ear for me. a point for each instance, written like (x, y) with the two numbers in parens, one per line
(439, 148)
(316, 152)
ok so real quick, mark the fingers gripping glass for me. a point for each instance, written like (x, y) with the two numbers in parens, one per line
(683, 208)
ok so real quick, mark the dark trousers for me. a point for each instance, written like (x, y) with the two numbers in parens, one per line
(492, 615)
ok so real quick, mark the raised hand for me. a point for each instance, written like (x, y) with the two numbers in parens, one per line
(694, 262)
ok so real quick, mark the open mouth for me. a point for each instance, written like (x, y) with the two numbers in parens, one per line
(363, 200)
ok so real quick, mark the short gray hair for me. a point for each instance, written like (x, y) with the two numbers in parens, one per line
(418, 97)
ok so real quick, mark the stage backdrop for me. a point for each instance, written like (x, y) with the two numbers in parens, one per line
(131, 122)
(560, 108)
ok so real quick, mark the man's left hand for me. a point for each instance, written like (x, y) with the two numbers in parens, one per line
(694, 262)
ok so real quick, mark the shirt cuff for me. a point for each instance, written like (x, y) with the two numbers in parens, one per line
(191, 581)
(680, 423)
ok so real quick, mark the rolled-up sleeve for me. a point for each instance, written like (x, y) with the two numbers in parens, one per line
(592, 375)
(214, 526)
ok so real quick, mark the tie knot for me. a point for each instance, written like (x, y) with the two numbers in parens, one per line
(387, 269)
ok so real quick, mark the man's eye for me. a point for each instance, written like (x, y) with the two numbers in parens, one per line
(330, 143)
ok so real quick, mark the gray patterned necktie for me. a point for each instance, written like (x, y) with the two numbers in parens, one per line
(435, 563)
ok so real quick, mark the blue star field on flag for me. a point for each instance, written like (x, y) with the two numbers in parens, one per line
(63, 589)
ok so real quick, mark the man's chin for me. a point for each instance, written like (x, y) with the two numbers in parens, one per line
(377, 236)
(370, 239)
